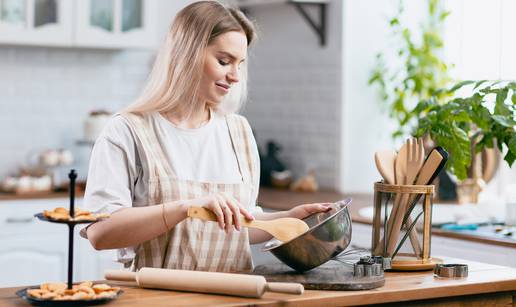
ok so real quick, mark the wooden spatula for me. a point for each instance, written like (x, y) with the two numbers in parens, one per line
(283, 229)
(384, 160)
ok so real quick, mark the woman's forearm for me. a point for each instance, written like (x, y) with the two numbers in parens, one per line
(132, 226)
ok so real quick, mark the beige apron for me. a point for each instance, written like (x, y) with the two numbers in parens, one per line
(194, 244)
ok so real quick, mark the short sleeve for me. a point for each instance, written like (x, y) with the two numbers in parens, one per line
(113, 170)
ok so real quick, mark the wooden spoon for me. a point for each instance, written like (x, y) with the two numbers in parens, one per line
(283, 229)
(384, 160)
(400, 167)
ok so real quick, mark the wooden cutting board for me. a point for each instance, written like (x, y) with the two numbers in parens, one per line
(329, 276)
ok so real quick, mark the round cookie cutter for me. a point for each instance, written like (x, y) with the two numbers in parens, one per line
(451, 270)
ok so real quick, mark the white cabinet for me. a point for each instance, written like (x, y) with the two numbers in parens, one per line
(36, 22)
(115, 23)
(32, 259)
(79, 23)
(33, 251)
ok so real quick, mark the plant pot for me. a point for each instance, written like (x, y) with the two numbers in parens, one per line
(483, 168)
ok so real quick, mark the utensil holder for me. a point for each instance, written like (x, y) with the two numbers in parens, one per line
(402, 223)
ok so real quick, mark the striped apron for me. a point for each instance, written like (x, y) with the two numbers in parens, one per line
(194, 244)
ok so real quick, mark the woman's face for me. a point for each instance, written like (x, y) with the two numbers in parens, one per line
(222, 62)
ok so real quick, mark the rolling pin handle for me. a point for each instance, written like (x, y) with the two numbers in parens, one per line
(120, 275)
(285, 287)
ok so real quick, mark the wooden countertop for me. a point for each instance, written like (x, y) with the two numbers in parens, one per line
(285, 199)
(487, 284)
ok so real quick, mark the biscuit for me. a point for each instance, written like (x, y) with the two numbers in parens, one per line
(83, 291)
(62, 214)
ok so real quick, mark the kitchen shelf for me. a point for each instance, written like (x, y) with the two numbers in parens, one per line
(318, 25)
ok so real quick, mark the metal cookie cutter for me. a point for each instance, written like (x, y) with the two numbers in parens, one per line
(451, 270)
(368, 266)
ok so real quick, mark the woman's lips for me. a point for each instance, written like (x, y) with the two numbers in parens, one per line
(223, 87)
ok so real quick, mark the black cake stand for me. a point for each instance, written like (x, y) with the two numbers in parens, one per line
(71, 224)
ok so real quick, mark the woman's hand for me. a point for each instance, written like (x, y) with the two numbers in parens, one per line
(227, 209)
(303, 211)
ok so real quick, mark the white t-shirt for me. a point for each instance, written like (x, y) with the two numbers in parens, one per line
(117, 180)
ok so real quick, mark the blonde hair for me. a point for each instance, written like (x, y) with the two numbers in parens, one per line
(173, 84)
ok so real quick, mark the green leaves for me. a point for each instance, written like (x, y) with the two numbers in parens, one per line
(423, 75)
(460, 85)
(510, 156)
(504, 121)
(453, 124)
(512, 144)
(418, 95)
(500, 107)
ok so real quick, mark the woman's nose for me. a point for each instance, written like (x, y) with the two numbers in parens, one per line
(233, 75)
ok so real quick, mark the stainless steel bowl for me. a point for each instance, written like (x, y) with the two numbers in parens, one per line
(328, 236)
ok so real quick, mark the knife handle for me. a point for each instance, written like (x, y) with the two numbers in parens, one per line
(432, 166)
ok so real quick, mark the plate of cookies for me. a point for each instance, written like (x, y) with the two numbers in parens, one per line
(62, 215)
(58, 294)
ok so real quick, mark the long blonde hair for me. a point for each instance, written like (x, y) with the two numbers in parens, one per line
(173, 84)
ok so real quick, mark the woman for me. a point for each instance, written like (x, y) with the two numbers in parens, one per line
(181, 145)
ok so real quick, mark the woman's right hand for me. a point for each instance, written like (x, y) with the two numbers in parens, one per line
(227, 209)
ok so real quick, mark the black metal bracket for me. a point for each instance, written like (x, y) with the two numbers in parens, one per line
(318, 27)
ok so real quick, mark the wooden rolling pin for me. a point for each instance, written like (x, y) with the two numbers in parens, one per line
(205, 282)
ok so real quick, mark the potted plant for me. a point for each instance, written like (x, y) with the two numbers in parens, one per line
(420, 95)
(467, 126)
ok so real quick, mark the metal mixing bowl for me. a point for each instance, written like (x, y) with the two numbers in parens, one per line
(328, 236)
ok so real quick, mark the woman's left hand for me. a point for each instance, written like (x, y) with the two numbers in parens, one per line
(303, 211)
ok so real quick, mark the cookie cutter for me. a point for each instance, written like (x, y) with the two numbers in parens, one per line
(451, 270)
(370, 266)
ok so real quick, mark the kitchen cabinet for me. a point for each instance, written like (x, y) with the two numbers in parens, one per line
(115, 23)
(82, 23)
(36, 22)
(33, 251)
(32, 259)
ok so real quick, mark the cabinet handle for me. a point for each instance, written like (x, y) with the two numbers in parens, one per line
(19, 220)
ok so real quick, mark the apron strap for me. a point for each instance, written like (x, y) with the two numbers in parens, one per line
(239, 131)
(150, 149)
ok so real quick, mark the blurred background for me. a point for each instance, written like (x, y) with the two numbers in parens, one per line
(315, 97)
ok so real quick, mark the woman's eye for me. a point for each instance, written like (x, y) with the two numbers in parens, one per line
(223, 63)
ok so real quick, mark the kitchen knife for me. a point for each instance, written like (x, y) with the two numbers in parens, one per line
(434, 164)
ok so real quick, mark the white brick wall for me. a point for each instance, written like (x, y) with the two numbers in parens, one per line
(295, 89)
(46, 93)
